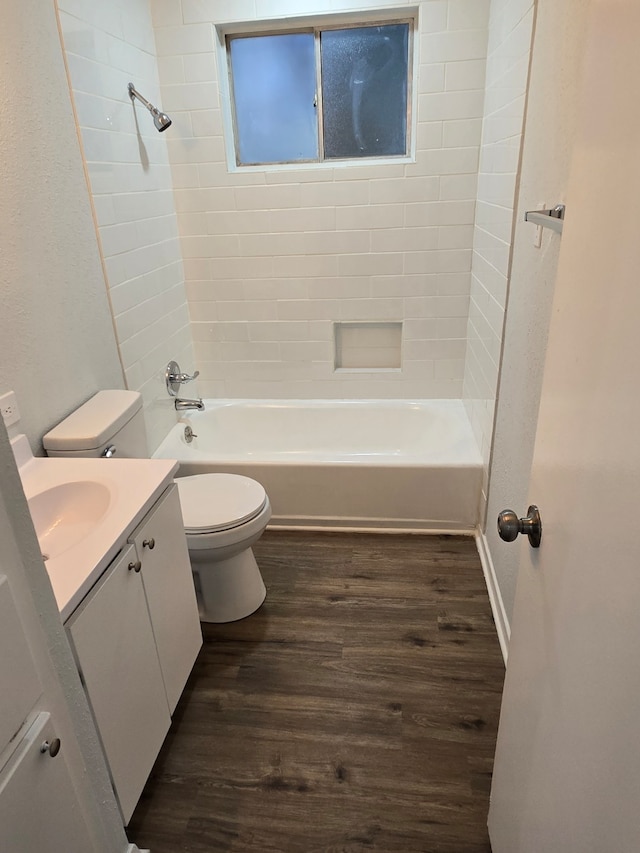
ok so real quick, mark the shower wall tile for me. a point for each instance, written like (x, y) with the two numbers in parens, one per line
(465, 74)
(107, 45)
(277, 257)
(461, 133)
(186, 38)
(467, 14)
(456, 45)
(510, 33)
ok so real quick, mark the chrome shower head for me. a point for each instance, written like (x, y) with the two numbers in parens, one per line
(160, 119)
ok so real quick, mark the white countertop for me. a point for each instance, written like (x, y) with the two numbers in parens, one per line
(134, 485)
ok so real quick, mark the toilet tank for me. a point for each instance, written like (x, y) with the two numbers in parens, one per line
(109, 418)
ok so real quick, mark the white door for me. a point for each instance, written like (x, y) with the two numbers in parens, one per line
(567, 771)
(38, 805)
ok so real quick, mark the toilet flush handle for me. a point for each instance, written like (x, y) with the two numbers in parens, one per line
(109, 451)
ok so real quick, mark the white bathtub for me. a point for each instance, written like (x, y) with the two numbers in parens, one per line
(370, 464)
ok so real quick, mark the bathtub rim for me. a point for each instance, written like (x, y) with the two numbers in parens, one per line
(471, 456)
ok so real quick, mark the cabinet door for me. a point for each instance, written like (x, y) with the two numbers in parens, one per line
(171, 597)
(116, 653)
(38, 806)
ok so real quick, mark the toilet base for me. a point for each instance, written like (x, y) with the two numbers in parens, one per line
(228, 590)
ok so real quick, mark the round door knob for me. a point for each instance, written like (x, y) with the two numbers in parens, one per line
(135, 566)
(509, 526)
(149, 543)
(53, 747)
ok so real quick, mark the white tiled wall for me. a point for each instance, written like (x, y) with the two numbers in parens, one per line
(273, 258)
(107, 45)
(510, 31)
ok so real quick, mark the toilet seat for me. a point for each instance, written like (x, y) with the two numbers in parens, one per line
(212, 503)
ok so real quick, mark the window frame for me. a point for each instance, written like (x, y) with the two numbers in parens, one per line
(316, 26)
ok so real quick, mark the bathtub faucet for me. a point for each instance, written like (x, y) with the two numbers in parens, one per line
(183, 405)
(174, 378)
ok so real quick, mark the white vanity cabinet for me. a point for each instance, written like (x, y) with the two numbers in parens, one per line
(115, 649)
(168, 582)
(136, 636)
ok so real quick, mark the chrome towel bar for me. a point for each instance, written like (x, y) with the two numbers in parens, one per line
(553, 218)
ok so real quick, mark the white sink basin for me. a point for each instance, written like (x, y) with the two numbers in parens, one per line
(83, 510)
(65, 514)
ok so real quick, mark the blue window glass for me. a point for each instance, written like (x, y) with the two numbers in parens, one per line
(364, 91)
(274, 87)
(362, 73)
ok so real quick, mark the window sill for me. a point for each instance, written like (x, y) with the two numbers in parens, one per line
(367, 370)
(324, 164)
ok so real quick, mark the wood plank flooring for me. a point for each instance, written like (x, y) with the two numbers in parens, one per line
(355, 711)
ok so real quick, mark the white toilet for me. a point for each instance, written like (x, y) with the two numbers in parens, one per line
(223, 514)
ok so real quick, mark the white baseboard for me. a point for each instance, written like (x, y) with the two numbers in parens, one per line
(497, 605)
(371, 524)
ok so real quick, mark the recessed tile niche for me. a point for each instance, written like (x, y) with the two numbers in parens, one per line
(368, 346)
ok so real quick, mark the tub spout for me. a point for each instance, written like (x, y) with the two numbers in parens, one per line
(183, 405)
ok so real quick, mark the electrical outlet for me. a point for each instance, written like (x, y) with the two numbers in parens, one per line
(9, 409)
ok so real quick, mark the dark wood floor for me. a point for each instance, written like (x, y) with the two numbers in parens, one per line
(355, 711)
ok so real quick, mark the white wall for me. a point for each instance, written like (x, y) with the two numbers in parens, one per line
(510, 29)
(273, 257)
(550, 124)
(107, 45)
(57, 345)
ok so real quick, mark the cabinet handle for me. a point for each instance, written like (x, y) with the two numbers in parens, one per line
(52, 748)
(135, 566)
(149, 543)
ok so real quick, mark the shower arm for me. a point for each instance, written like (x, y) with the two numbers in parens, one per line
(161, 120)
(133, 93)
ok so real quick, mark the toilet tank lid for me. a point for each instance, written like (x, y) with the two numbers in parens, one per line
(95, 422)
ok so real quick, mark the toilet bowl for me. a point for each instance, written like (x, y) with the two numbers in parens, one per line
(223, 514)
